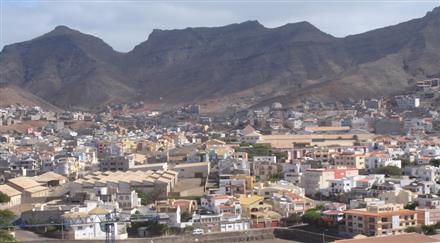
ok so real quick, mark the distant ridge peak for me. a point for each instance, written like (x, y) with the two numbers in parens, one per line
(303, 25)
(434, 12)
(63, 30)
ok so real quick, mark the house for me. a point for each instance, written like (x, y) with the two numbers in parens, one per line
(147, 181)
(333, 213)
(398, 196)
(215, 223)
(115, 163)
(29, 188)
(88, 222)
(314, 180)
(293, 171)
(234, 184)
(423, 172)
(287, 203)
(264, 170)
(338, 187)
(173, 212)
(350, 159)
(378, 159)
(430, 201)
(13, 194)
(423, 187)
(428, 216)
(261, 213)
(185, 205)
(50, 179)
(406, 102)
(193, 170)
(234, 166)
(226, 206)
(379, 220)
(269, 159)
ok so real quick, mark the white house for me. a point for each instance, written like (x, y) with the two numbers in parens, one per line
(87, 222)
(375, 161)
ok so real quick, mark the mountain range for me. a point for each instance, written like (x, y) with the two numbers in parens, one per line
(219, 66)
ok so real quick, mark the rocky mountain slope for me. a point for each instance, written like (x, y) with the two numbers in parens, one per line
(70, 69)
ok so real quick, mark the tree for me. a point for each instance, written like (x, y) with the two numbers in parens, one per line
(185, 216)
(261, 150)
(411, 206)
(276, 177)
(293, 219)
(435, 162)
(319, 207)
(428, 229)
(311, 216)
(389, 171)
(189, 228)
(405, 162)
(6, 218)
(410, 229)
(4, 198)
(154, 228)
(148, 198)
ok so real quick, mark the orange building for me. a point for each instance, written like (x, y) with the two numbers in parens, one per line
(378, 220)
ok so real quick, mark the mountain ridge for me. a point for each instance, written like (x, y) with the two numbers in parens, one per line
(243, 61)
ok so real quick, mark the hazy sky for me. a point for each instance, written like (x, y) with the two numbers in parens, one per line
(124, 24)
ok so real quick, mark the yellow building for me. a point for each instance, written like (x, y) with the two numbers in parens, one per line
(260, 212)
(351, 159)
(129, 146)
(250, 181)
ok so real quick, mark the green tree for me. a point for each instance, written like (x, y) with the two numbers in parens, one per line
(4, 198)
(189, 228)
(319, 207)
(411, 206)
(389, 171)
(6, 218)
(154, 228)
(276, 177)
(261, 149)
(435, 162)
(428, 229)
(293, 219)
(150, 197)
(311, 216)
(405, 162)
(185, 216)
(410, 229)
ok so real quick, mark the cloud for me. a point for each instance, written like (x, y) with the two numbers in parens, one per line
(125, 24)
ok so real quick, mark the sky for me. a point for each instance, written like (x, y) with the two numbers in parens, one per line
(125, 23)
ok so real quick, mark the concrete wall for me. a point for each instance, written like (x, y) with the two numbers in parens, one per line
(303, 235)
(223, 237)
